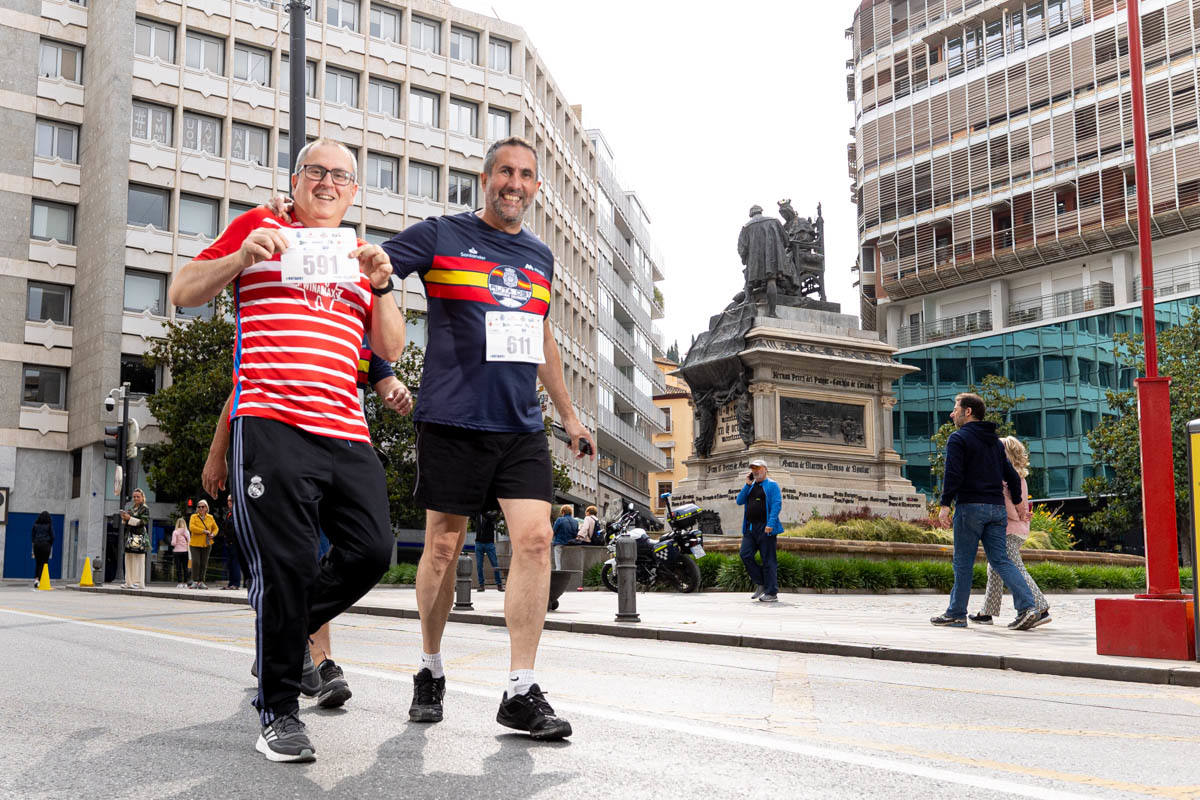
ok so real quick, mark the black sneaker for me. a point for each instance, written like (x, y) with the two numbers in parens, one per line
(334, 689)
(980, 619)
(310, 679)
(428, 692)
(530, 712)
(1026, 620)
(499, 587)
(254, 668)
(1041, 620)
(946, 621)
(285, 740)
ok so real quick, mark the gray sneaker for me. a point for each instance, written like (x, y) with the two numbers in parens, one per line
(1025, 620)
(310, 678)
(758, 592)
(769, 598)
(285, 740)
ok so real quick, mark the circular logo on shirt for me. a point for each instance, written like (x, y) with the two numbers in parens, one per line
(510, 287)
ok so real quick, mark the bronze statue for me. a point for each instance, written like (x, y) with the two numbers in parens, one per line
(806, 247)
(762, 246)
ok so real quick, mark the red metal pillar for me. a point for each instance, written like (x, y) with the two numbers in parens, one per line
(1158, 624)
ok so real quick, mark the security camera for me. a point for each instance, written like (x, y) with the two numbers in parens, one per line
(109, 403)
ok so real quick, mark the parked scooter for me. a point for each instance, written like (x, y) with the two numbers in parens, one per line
(670, 561)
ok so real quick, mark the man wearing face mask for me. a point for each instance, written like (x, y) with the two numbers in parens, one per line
(302, 457)
(760, 525)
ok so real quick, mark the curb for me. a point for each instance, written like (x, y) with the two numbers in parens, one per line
(1130, 673)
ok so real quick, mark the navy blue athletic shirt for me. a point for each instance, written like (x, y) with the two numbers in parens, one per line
(469, 268)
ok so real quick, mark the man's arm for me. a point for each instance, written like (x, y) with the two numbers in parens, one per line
(774, 507)
(744, 493)
(1014, 482)
(200, 281)
(215, 469)
(551, 376)
(386, 327)
(952, 478)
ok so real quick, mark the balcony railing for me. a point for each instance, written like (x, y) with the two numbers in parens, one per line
(634, 441)
(1173, 280)
(948, 328)
(1061, 304)
(626, 388)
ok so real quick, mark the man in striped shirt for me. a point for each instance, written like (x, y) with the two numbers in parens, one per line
(302, 456)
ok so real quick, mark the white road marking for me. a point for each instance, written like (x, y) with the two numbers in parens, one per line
(688, 727)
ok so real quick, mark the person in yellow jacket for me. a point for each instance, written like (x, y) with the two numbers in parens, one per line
(203, 527)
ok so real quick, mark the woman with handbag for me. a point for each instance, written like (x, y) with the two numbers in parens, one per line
(137, 541)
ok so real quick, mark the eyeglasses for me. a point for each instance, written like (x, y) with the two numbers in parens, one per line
(316, 173)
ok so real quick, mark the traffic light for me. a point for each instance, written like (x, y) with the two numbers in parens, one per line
(114, 443)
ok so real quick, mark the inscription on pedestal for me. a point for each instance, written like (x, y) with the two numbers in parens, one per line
(821, 380)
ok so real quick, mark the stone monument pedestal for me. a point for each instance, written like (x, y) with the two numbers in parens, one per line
(821, 406)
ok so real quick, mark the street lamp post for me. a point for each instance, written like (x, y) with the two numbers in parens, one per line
(1154, 624)
(297, 61)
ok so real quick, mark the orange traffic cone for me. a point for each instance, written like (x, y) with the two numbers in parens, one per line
(44, 581)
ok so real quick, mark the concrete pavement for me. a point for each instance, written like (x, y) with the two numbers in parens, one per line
(893, 627)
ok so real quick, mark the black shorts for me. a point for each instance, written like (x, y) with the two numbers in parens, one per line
(464, 471)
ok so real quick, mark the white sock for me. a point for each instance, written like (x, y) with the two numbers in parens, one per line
(433, 663)
(519, 681)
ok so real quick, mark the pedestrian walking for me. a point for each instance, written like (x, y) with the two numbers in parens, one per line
(485, 545)
(480, 434)
(1016, 533)
(137, 540)
(233, 554)
(977, 475)
(587, 528)
(565, 529)
(179, 552)
(302, 460)
(203, 527)
(763, 500)
(43, 544)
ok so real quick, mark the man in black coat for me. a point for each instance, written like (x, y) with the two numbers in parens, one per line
(43, 543)
(977, 471)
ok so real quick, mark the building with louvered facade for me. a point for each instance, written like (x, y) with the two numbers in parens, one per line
(993, 170)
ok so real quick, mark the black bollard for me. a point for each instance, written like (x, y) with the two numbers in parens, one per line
(626, 551)
(462, 584)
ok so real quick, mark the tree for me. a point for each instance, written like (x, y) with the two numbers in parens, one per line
(996, 392)
(1116, 448)
(673, 352)
(199, 354)
(395, 440)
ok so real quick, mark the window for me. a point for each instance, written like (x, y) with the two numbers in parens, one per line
(56, 140)
(342, 14)
(310, 77)
(1024, 370)
(426, 35)
(1028, 424)
(44, 386)
(283, 155)
(142, 378)
(249, 143)
(53, 221)
(341, 87)
(499, 124)
(604, 346)
(423, 180)
(499, 54)
(1059, 424)
(152, 124)
(145, 291)
(664, 487)
(423, 107)
(383, 172)
(198, 216)
(385, 22)
(462, 117)
(461, 189)
(205, 52)
(201, 134)
(377, 236)
(58, 60)
(383, 97)
(464, 45)
(236, 210)
(251, 64)
(154, 40)
(48, 301)
(667, 420)
(148, 206)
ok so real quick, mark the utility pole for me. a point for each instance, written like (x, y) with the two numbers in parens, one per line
(297, 63)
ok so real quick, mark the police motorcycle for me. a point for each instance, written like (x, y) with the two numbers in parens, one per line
(670, 561)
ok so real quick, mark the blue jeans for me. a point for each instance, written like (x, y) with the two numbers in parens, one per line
(986, 523)
(766, 575)
(486, 549)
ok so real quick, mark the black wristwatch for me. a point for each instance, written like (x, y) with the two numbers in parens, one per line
(385, 290)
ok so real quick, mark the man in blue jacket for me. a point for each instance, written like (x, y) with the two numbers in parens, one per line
(977, 471)
(760, 526)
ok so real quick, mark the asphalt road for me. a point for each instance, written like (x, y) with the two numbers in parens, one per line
(118, 696)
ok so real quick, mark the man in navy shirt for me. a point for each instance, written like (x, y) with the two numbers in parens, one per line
(480, 436)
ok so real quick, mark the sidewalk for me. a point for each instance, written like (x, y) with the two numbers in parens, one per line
(890, 627)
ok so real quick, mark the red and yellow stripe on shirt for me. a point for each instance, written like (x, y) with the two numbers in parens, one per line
(453, 278)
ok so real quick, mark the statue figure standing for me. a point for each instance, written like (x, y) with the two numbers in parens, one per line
(705, 416)
(762, 247)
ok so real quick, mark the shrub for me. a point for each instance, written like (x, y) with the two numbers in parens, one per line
(710, 566)
(401, 573)
(877, 576)
(839, 517)
(937, 575)
(1053, 577)
(814, 529)
(1185, 577)
(815, 573)
(844, 573)
(732, 576)
(1037, 540)
(1057, 526)
(789, 573)
(591, 576)
(906, 574)
(979, 576)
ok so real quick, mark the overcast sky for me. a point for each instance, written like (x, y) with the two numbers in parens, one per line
(710, 109)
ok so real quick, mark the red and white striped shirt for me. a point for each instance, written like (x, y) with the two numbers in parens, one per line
(295, 357)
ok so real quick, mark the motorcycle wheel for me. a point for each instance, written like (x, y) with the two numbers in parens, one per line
(608, 576)
(685, 575)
